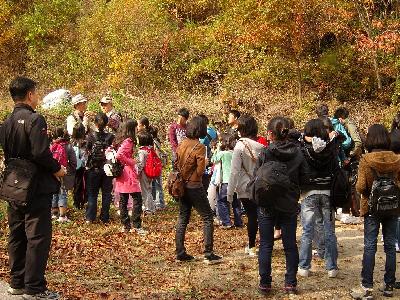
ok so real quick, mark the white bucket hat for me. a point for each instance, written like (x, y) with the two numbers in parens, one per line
(78, 99)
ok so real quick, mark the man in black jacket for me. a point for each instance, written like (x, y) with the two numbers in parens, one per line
(24, 135)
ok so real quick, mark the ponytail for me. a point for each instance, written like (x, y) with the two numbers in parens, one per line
(279, 127)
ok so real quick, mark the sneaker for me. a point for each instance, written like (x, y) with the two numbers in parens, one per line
(250, 251)
(63, 219)
(290, 289)
(264, 289)
(230, 226)
(217, 221)
(130, 213)
(49, 295)
(387, 290)
(15, 292)
(362, 293)
(212, 259)
(347, 219)
(139, 231)
(184, 257)
(397, 248)
(303, 272)
(125, 230)
(333, 273)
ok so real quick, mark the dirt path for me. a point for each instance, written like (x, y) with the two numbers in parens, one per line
(99, 262)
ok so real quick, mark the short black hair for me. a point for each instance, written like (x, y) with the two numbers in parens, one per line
(196, 128)
(235, 113)
(279, 127)
(327, 123)
(341, 112)
(322, 111)
(247, 126)
(59, 132)
(205, 118)
(228, 141)
(101, 120)
(20, 87)
(184, 112)
(377, 138)
(316, 127)
(145, 138)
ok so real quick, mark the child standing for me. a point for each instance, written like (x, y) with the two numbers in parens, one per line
(128, 183)
(224, 156)
(145, 140)
(65, 155)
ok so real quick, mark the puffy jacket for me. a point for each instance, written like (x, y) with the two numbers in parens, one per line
(380, 161)
(320, 166)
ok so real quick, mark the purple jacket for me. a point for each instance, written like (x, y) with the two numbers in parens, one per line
(128, 182)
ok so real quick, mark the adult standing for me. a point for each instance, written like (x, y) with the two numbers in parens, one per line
(177, 131)
(190, 160)
(244, 160)
(114, 118)
(80, 115)
(24, 135)
(233, 118)
(379, 161)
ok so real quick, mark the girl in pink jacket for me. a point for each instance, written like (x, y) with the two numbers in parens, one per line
(128, 183)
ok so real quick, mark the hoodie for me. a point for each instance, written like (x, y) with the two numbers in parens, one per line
(290, 154)
(381, 162)
(321, 163)
(338, 127)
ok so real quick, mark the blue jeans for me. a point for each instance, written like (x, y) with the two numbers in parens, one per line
(312, 207)
(157, 191)
(60, 199)
(398, 232)
(223, 207)
(288, 225)
(371, 230)
(96, 180)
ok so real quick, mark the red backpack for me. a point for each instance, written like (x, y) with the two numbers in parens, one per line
(60, 153)
(153, 166)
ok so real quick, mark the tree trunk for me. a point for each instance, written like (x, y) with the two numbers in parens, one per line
(376, 69)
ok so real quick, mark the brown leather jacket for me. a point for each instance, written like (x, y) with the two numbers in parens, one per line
(190, 160)
(382, 162)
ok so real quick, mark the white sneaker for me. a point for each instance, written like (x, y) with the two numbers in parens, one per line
(63, 219)
(139, 231)
(250, 251)
(333, 273)
(303, 272)
(347, 219)
(15, 292)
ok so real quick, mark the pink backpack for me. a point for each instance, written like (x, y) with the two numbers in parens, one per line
(60, 153)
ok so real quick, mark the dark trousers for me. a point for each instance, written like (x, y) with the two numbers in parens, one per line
(371, 230)
(196, 198)
(252, 222)
(80, 196)
(96, 180)
(136, 211)
(29, 244)
(288, 225)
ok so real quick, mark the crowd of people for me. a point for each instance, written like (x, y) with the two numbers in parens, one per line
(124, 159)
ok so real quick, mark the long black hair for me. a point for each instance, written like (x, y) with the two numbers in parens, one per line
(151, 129)
(126, 130)
(316, 127)
(279, 127)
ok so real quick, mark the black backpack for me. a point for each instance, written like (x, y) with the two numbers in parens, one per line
(272, 189)
(385, 196)
(340, 189)
(97, 157)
